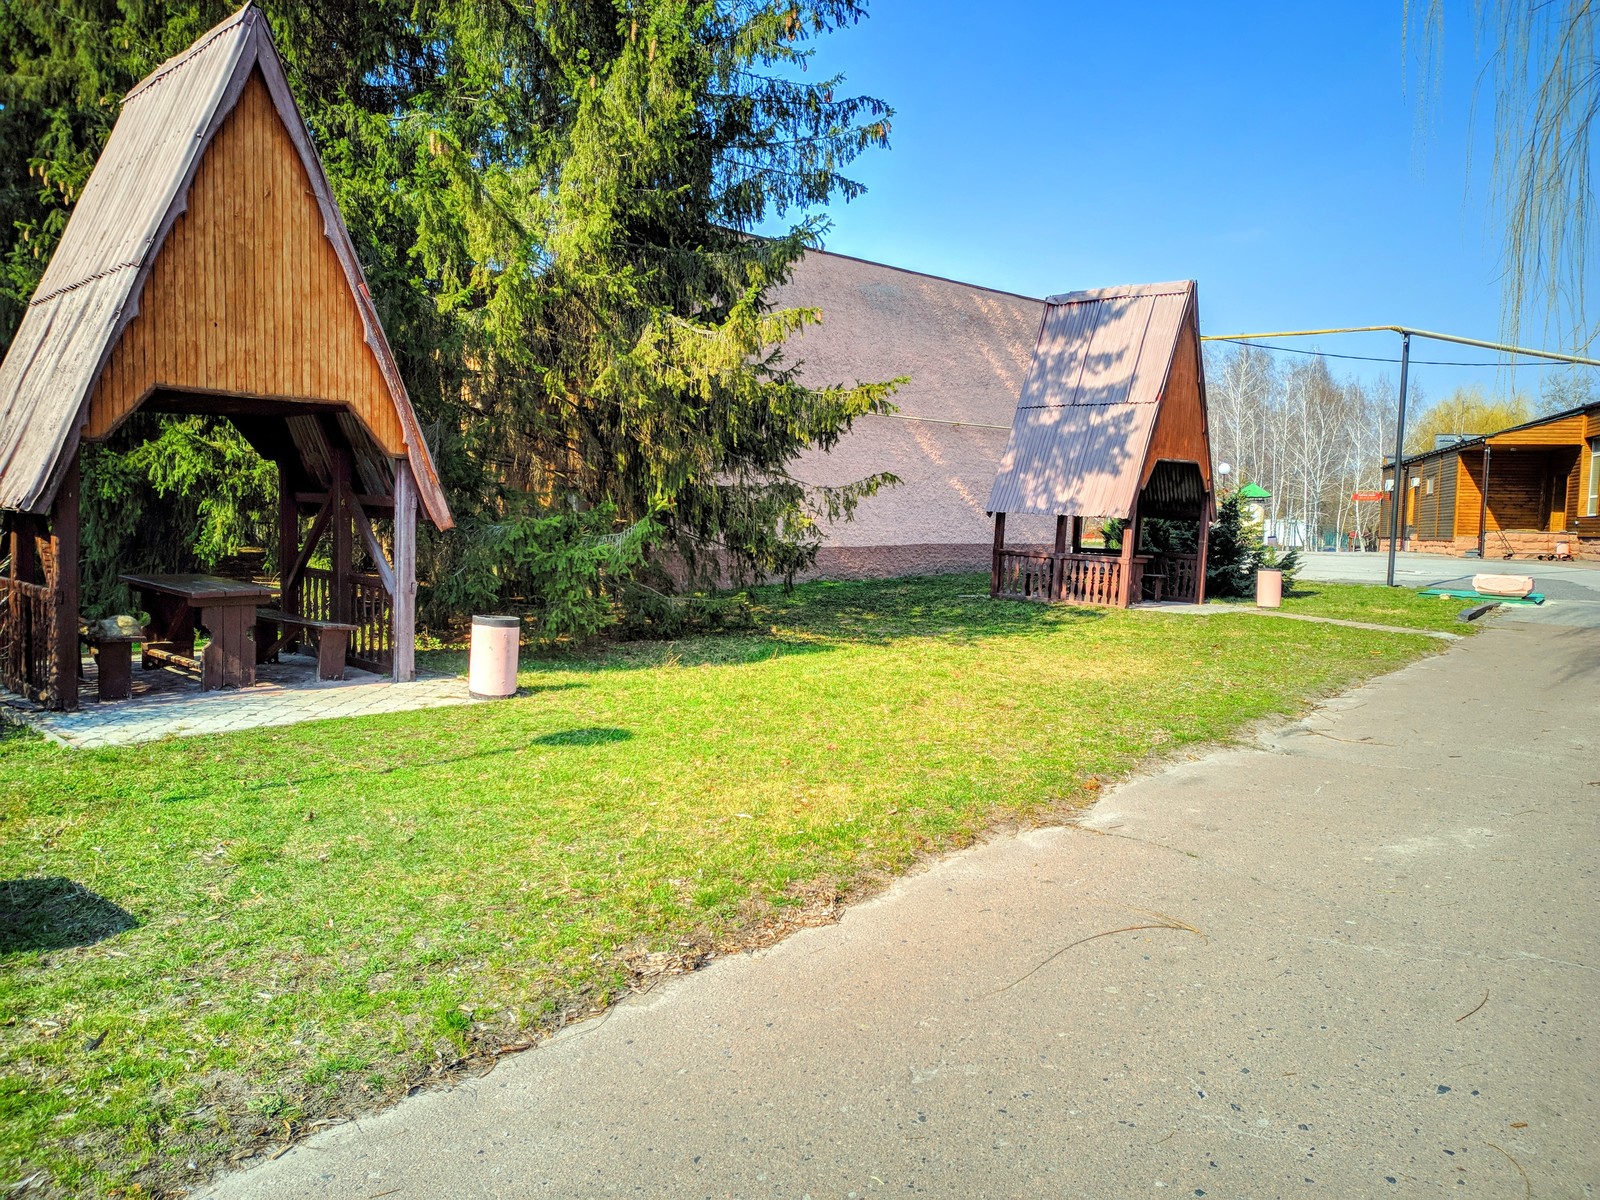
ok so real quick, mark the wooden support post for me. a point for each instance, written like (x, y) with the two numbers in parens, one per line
(404, 605)
(24, 548)
(342, 552)
(288, 542)
(1077, 535)
(64, 588)
(1130, 541)
(1058, 571)
(999, 545)
(1202, 542)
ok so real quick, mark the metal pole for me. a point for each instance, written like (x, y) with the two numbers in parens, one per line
(1399, 453)
(1483, 508)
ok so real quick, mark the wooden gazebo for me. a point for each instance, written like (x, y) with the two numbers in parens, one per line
(1111, 424)
(206, 269)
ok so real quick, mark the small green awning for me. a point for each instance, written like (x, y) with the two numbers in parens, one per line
(1254, 491)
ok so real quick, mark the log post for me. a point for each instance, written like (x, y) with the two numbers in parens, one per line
(288, 541)
(999, 545)
(342, 553)
(1130, 541)
(24, 548)
(1058, 571)
(1077, 535)
(1202, 543)
(403, 605)
(64, 589)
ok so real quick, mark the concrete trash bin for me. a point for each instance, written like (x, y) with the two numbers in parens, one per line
(492, 667)
(1269, 588)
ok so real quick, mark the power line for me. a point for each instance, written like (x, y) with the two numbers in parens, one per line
(1421, 362)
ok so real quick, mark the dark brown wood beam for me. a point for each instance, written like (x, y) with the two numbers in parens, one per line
(342, 553)
(321, 498)
(404, 608)
(64, 587)
(369, 538)
(291, 578)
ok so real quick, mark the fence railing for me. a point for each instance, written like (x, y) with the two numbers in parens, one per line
(372, 644)
(1172, 577)
(27, 650)
(1068, 578)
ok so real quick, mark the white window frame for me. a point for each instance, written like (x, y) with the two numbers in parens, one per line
(1592, 509)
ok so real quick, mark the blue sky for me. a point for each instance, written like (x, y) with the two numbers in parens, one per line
(1275, 152)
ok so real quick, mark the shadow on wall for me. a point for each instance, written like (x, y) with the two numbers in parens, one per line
(49, 912)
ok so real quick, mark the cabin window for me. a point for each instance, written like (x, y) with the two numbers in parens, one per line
(1593, 508)
(1430, 485)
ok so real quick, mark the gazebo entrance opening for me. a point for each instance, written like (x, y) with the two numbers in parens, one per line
(1158, 556)
(1110, 427)
(206, 269)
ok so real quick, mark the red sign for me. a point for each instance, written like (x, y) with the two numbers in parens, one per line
(1372, 497)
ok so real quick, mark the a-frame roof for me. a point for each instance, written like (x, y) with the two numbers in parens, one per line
(1094, 396)
(92, 287)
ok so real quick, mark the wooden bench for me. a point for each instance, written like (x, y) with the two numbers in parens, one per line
(333, 639)
(111, 642)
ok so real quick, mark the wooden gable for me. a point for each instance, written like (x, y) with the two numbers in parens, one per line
(247, 296)
(1180, 434)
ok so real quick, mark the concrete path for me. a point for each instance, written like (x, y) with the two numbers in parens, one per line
(1359, 959)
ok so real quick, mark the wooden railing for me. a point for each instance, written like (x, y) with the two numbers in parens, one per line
(27, 651)
(1172, 577)
(1068, 578)
(1090, 579)
(1025, 575)
(372, 644)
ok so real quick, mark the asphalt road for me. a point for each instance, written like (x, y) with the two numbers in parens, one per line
(1361, 958)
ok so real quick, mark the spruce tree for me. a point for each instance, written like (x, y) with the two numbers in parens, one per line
(556, 204)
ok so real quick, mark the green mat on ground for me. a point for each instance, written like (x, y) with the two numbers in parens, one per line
(1457, 594)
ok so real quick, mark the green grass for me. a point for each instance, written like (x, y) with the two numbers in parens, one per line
(304, 922)
(1380, 605)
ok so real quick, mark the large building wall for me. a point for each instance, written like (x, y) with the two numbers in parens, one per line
(966, 350)
(247, 295)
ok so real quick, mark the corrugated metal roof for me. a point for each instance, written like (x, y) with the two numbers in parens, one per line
(90, 290)
(1089, 403)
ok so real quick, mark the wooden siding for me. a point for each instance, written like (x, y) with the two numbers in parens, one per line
(1180, 432)
(247, 296)
(1436, 496)
(1528, 489)
(1566, 432)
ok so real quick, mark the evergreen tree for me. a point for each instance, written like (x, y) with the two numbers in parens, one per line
(555, 204)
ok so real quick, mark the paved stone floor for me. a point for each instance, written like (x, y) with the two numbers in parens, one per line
(167, 703)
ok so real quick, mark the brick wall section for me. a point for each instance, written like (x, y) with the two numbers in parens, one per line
(1520, 543)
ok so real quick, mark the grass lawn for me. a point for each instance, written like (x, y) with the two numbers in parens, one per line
(1379, 605)
(305, 922)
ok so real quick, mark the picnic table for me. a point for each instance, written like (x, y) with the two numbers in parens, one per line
(225, 608)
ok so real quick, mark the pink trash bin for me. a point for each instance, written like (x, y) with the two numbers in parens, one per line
(1269, 589)
(492, 667)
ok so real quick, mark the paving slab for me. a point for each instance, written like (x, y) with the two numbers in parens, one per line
(286, 693)
(1360, 957)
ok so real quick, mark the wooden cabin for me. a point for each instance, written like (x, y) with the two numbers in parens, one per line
(1525, 491)
(206, 269)
(1110, 428)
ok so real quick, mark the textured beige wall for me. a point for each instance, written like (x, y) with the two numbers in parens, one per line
(965, 350)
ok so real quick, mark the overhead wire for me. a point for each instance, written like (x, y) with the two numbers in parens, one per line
(1416, 362)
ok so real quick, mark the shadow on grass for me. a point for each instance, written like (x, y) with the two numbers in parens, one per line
(582, 737)
(813, 618)
(565, 737)
(49, 912)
